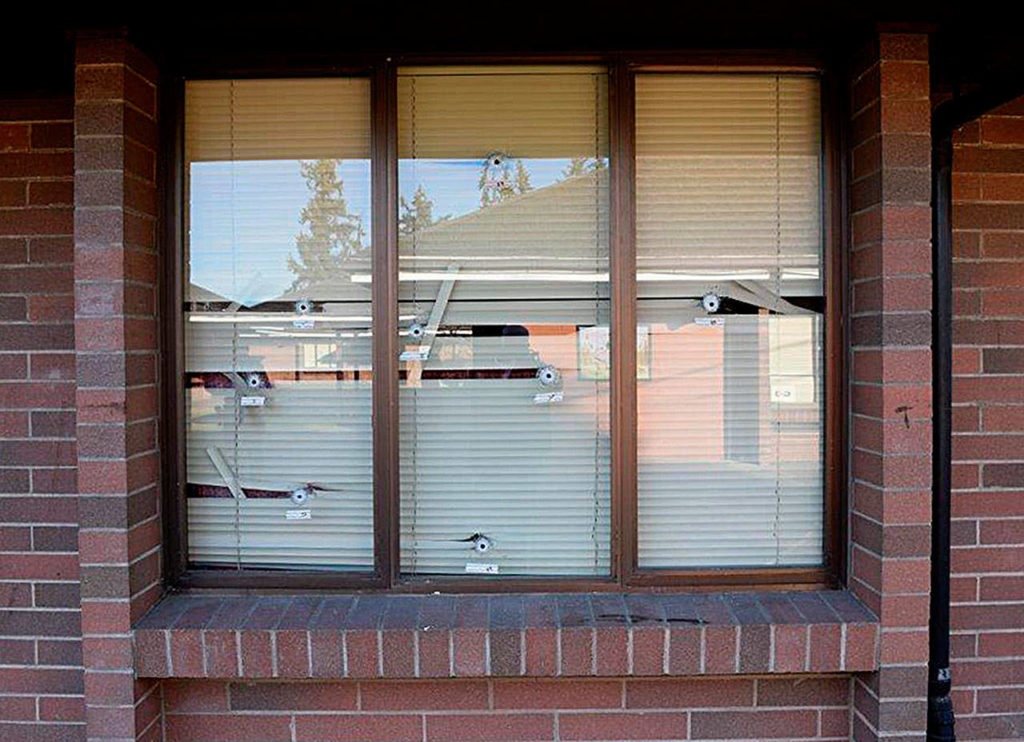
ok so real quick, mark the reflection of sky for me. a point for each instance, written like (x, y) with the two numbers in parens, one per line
(244, 218)
(453, 185)
(244, 215)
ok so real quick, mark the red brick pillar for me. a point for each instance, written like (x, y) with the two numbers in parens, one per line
(116, 348)
(890, 334)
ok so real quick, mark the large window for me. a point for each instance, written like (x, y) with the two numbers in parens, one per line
(573, 317)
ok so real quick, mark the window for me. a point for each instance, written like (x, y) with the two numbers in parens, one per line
(729, 425)
(277, 340)
(503, 270)
(531, 439)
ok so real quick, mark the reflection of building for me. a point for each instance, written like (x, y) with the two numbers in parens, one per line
(717, 454)
(548, 243)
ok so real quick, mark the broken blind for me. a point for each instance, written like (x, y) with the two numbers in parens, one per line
(729, 286)
(503, 280)
(277, 331)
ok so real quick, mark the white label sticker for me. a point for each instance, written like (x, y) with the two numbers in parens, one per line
(709, 321)
(548, 397)
(298, 514)
(303, 323)
(479, 568)
(254, 401)
(417, 354)
(783, 394)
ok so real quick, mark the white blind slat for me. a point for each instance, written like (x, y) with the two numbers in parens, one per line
(307, 432)
(475, 111)
(480, 456)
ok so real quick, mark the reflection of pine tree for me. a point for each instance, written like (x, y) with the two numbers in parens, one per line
(522, 178)
(493, 192)
(577, 166)
(331, 236)
(417, 215)
(517, 182)
(581, 166)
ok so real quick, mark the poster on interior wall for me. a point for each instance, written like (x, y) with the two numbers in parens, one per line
(593, 349)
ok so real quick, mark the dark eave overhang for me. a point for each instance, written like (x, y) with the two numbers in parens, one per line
(967, 43)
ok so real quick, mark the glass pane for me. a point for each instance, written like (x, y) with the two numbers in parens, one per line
(503, 259)
(729, 253)
(277, 309)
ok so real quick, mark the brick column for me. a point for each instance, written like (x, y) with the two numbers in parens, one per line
(116, 347)
(890, 276)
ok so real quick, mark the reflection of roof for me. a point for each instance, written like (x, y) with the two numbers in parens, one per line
(199, 293)
(336, 289)
(520, 203)
(562, 219)
(558, 226)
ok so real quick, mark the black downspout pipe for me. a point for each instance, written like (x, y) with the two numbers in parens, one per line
(940, 705)
(945, 120)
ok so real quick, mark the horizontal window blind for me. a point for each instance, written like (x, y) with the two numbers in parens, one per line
(310, 432)
(281, 119)
(277, 324)
(728, 193)
(256, 152)
(503, 260)
(728, 182)
(533, 112)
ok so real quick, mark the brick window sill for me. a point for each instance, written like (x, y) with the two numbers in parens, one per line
(518, 635)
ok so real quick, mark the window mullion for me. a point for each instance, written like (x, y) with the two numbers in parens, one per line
(384, 155)
(623, 323)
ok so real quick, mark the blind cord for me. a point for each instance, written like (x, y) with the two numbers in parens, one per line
(776, 320)
(234, 337)
(414, 520)
(595, 529)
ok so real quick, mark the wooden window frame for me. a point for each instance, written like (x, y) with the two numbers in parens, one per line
(624, 573)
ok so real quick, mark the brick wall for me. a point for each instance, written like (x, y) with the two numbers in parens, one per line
(40, 627)
(890, 334)
(988, 419)
(104, 283)
(496, 710)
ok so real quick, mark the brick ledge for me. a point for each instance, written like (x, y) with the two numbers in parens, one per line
(518, 635)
